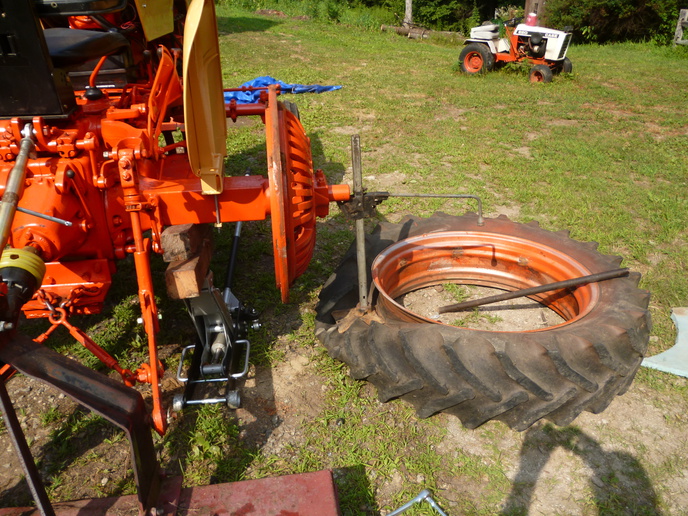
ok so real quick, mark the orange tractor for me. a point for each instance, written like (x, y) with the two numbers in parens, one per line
(112, 144)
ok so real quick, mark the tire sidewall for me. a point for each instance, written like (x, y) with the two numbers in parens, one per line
(604, 310)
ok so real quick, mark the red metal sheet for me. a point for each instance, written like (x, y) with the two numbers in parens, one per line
(306, 494)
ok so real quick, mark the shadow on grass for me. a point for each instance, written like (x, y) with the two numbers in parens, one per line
(618, 482)
(355, 493)
(240, 24)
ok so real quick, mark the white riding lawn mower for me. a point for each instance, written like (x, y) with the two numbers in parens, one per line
(545, 49)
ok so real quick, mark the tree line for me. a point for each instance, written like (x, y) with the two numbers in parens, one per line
(599, 21)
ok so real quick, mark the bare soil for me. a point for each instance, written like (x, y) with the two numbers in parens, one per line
(635, 451)
(519, 314)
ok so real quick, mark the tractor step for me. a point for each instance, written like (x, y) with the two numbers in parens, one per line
(305, 494)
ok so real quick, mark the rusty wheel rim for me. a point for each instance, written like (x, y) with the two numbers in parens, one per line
(473, 62)
(537, 77)
(483, 259)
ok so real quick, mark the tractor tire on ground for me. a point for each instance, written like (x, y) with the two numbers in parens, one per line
(517, 377)
(564, 67)
(540, 73)
(476, 58)
(292, 108)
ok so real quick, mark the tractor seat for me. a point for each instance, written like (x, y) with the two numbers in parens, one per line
(70, 47)
(485, 31)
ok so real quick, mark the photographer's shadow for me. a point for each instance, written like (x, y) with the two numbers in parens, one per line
(619, 483)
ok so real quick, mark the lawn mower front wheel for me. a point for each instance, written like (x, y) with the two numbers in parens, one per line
(541, 73)
(564, 67)
(476, 58)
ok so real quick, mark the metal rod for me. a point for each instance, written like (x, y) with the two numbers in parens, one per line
(44, 216)
(231, 267)
(13, 188)
(574, 282)
(119, 404)
(481, 222)
(360, 224)
(229, 298)
(33, 478)
(423, 496)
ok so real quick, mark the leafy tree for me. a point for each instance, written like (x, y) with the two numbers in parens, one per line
(604, 21)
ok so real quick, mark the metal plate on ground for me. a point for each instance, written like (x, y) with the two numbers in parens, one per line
(675, 359)
(306, 494)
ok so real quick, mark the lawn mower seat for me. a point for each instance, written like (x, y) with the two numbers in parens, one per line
(78, 51)
(77, 7)
(485, 31)
(30, 82)
(70, 47)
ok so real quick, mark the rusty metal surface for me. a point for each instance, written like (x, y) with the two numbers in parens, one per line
(478, 258)
(306, 494)
(111, 399)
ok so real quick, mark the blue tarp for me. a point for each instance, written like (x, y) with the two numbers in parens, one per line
(250, 97)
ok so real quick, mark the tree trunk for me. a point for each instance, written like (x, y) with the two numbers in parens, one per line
(419, 32)
(408, 13)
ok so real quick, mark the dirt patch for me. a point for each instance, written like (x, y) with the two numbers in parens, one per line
(628, 452)
(519, 314)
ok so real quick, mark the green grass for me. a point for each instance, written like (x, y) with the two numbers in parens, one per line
(600, 152)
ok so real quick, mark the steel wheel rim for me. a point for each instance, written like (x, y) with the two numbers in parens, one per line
(473, 62)
(485, 259)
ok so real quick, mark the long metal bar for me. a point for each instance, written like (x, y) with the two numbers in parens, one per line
(360, 224)
(230, 299)
(111, 399)
(33, 477)
(574, 282)
(43, 216)
(231, 267)
(15, 182)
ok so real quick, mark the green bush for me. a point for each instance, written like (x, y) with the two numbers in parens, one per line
(333, 11)
(604, 21)
(367, 17)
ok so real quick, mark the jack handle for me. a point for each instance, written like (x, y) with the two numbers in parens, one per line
(362, 205)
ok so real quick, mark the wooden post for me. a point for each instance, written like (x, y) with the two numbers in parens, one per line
(188, 248)
(680, 26)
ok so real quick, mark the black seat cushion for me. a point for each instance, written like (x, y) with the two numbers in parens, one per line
(69, 47)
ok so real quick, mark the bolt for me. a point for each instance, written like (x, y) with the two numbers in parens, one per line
(126, 176)
(124, 163)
